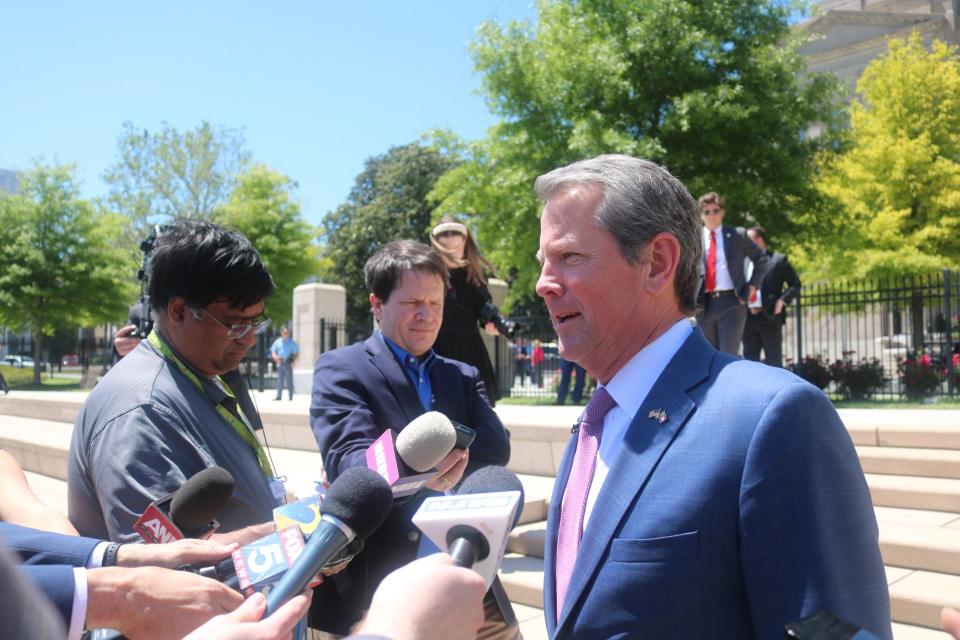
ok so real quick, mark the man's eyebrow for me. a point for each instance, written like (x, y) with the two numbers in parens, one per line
(539, 256)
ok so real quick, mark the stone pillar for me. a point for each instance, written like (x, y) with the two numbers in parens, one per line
(311, 302)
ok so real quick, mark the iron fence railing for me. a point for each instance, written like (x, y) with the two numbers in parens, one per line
(907, 324)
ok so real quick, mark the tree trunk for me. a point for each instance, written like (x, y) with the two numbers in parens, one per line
(37, 353)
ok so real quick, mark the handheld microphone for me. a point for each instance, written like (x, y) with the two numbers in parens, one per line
(262, 563)
(473, 525)
(406, 460)
(188, 512)
(825, 626)
(356, 504)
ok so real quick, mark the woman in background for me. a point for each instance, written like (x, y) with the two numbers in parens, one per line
(468, 304)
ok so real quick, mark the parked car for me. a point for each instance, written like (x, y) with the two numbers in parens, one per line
(70, 360)
(22, 362)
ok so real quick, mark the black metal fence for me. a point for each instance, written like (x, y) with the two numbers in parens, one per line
(888, 339)
(899, 333)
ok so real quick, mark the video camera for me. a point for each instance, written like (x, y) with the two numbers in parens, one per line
(490, 313)
(145, 321)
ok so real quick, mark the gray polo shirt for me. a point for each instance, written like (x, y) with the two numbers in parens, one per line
(143, 431)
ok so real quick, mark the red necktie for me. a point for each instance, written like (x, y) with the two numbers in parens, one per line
(711, 283)
(577, 490)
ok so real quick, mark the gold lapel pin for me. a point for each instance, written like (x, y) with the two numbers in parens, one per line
(658, 414)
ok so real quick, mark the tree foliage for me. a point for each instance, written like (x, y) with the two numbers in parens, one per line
(891, 199)
(167, 174)
(60, 261)
(709, 88)
(387, 202)
(264, 208)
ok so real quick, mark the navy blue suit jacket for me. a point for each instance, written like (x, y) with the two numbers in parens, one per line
(48, 561)
(744, 510)
(359, 392)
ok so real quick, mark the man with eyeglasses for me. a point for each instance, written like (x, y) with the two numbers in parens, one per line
(168, 410)
(725, 290)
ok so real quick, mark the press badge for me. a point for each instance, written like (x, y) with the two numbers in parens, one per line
(278, 490)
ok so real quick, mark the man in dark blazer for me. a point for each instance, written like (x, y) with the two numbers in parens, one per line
(701, 495)
(725, 289)
(132, 587)
(385, 382)
(764, 328)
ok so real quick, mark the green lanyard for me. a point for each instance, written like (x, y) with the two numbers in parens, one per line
(242, 429)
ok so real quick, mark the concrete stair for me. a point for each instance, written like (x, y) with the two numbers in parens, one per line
(911, 460)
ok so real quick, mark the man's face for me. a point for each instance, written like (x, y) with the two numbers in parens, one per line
(757, 240)
(712, 215)
(412, 314)
(593, 294)
(204, 342)
(284, 333)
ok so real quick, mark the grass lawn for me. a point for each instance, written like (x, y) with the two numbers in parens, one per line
(51, 384)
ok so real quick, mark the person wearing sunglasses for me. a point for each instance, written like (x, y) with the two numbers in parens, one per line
(168, 409)
(725, 288)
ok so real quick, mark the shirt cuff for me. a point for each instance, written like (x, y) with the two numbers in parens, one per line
(78, 614)
(95, 561)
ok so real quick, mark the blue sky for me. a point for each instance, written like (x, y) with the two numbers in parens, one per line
(317, 87)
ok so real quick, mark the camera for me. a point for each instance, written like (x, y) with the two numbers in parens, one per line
(490, 313)
(145, 321)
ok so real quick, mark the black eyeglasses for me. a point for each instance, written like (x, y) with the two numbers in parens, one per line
(447, 234)
(237, 330)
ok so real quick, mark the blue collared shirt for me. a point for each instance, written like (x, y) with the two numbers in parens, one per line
(418, 371)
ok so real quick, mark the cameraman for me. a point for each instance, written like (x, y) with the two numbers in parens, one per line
(284, 353)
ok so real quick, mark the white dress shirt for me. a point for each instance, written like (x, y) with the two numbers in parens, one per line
(78, 613)
(724, 281)
(629, 387)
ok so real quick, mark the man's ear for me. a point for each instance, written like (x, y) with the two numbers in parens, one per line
(376, 306)
(664, 256)
(177, 311)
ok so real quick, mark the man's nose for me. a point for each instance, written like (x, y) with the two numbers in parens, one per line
(547, 284)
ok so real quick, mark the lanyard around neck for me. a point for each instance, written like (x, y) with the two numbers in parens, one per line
(241, 427)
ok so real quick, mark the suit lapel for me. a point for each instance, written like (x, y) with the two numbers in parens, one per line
(382, 358)
(645, 442)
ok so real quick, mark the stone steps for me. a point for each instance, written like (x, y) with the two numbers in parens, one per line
(916, 597)
(911, 459)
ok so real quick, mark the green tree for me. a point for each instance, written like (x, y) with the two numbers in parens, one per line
(167, 174)
(264, 208)
(60, 261)
(388, 202)
(891, 199)
(709, 88)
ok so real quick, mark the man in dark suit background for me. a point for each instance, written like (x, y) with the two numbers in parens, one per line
(764, 328)
(725, 289)
(385, 382)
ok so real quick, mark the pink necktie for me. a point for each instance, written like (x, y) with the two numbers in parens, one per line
(577, 489)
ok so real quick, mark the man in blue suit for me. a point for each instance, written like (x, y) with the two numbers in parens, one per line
(701, 496)
(385, 382)
(130, 587)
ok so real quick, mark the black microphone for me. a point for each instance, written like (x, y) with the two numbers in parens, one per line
(473, 525)
(188, 512)
(825, 626)
(467, 544)
(356, 504)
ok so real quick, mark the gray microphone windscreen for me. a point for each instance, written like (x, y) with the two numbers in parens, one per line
(426, 441)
